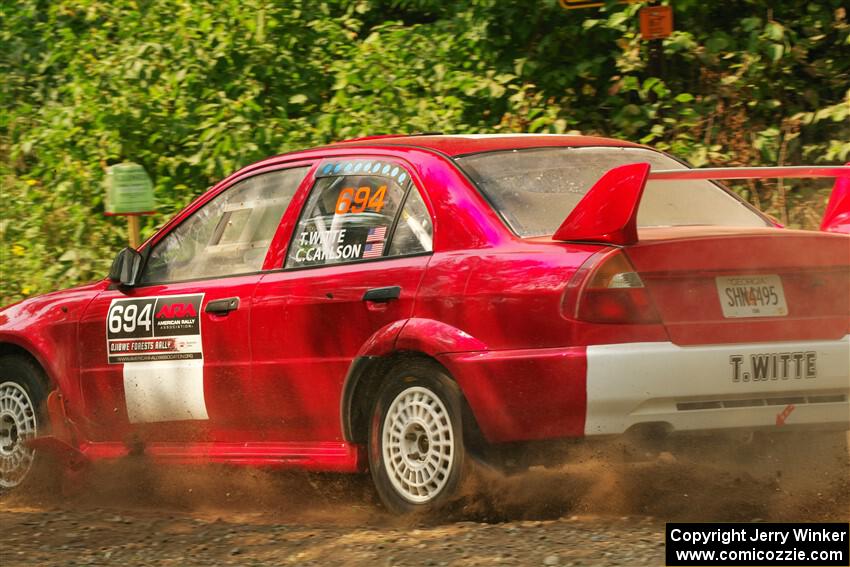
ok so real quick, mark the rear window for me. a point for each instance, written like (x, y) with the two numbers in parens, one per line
(534, 190)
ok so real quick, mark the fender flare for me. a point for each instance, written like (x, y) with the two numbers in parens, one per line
(435, 338)
(20, 342)
(415, 336)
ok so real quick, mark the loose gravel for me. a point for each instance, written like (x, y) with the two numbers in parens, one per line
(604, 508)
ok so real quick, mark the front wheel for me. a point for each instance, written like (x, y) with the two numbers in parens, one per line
(21, 396)
(416, 449)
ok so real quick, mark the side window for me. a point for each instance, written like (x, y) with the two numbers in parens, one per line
(413, 233)
(229, 235)
(352, 210)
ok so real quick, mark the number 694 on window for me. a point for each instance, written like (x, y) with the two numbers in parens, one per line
(357, 201)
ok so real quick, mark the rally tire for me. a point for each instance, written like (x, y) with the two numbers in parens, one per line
(22, 417)
(416, 448)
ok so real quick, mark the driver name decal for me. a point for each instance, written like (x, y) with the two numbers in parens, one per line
(154, 329)
(773, 366)
(326, 245)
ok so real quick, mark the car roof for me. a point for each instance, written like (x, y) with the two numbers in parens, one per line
(458, 145)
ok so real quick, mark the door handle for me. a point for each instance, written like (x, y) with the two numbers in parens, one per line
(222, 306)
(382, 294)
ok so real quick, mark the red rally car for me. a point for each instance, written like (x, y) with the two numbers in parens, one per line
(392, 303)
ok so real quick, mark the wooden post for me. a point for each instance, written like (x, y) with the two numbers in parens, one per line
(133, 229)
(656, 23)
(656, 58)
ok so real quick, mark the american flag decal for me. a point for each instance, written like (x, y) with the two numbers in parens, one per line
(377, 234)
(373, 250)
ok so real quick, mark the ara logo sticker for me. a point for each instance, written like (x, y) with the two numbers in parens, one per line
(176, 310)
(155, 328)
(176, 316)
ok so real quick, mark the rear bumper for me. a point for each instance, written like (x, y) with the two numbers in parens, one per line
(536, 394)
(717, 387)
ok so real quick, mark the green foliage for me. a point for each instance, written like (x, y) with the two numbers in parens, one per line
(194, 89)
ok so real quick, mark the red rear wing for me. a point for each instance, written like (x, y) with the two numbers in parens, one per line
(608, 212)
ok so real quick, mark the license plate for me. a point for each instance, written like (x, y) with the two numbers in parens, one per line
(751, 296)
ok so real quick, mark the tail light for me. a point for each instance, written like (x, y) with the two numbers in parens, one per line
(607, 289)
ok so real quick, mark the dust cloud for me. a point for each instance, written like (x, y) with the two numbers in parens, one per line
(777, 478)
(766, 478)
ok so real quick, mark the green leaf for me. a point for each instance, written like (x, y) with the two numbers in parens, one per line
(775, 51)
(716, 43)
(774, 31)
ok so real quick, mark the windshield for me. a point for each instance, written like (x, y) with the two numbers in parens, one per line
(534, 190)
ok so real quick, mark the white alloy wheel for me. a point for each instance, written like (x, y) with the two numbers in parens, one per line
(418, 444)
(18, 424)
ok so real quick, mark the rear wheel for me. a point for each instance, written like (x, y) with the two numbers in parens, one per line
(416, 450)
(21, 398)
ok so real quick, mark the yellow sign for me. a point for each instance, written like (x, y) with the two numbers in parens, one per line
(576, 4)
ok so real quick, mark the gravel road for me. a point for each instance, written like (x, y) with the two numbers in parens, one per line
(599, 510)
(101, 537)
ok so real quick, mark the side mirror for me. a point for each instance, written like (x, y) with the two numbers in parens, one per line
(125, 267)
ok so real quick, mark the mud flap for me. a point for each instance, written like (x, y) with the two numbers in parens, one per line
(70, 463)
(66, 455)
